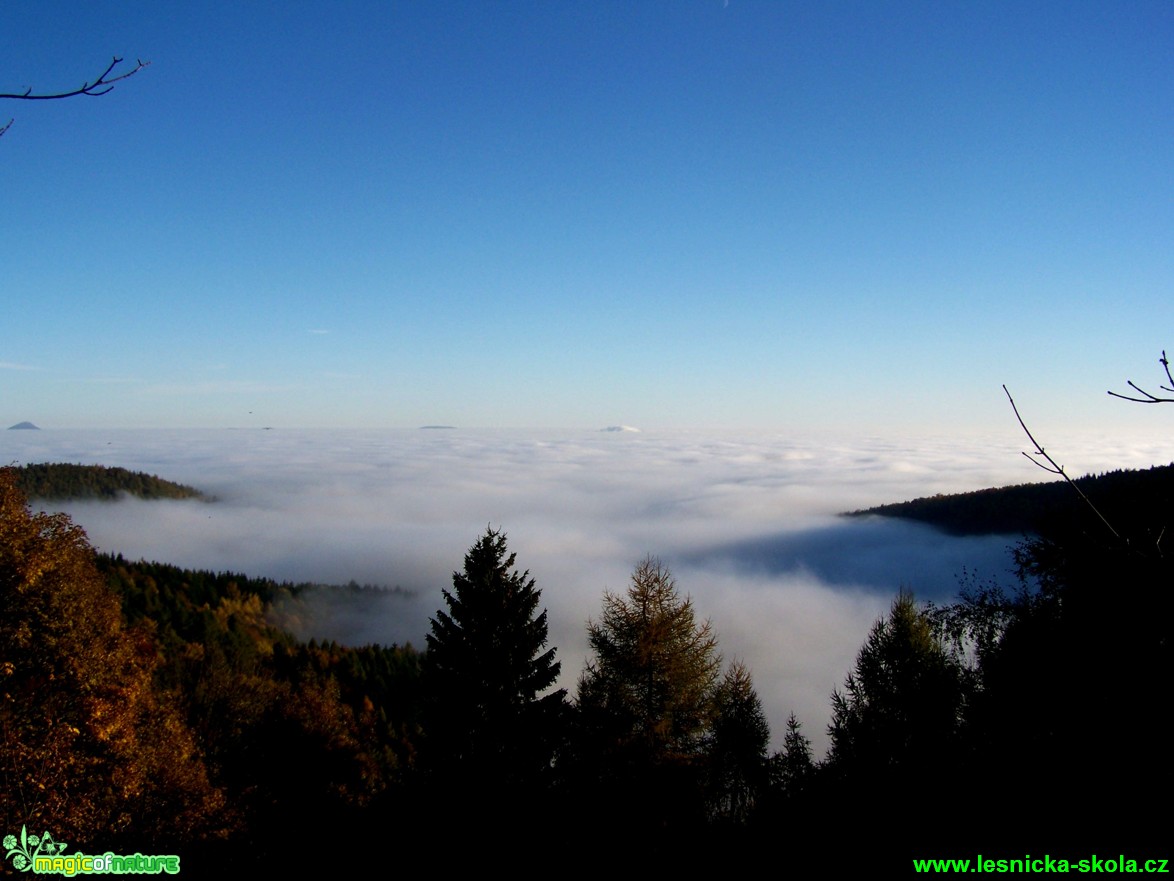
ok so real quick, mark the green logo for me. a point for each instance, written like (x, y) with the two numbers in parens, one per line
(42, 855)
(24, 857)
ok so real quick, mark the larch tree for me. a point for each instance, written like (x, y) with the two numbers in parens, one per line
(646, 703)
(655, 669)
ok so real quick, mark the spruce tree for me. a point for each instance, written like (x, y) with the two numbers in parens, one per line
(487, 720)
(737, 745)
(901, 706)
(793, 765)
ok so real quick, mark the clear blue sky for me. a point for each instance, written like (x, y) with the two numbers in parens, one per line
(863, 216)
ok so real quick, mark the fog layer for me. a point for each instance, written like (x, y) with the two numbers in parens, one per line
(747, 525)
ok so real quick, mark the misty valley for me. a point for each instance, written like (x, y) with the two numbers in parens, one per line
(960, 673)
(554, 436)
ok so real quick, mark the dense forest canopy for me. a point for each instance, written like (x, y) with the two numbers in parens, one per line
(1132, 498)
(60, 481)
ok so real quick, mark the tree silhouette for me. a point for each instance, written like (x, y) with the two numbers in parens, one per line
(902, 704)
(792, 766)
(738, 739)
(1149, 397)
(895, 737)
(487, 722)
(1088, 626)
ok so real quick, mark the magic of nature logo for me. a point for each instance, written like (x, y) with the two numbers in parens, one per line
(44, 855)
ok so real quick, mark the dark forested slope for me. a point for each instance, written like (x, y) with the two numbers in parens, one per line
(1130, 500)
(59, 481)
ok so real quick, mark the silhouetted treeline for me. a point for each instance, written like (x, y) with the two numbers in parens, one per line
(1015, 720)
(58, 481)
(1137, 500)
(146, 705)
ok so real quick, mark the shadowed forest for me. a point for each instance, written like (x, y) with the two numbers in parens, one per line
(154, 709)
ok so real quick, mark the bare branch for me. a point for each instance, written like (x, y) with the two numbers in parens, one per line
(6, 127)
(1147, 397)
(1053, 467)
(100, 86)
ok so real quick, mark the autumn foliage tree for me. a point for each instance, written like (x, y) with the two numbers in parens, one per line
(655, 668)
(88, 748)
(646, 702)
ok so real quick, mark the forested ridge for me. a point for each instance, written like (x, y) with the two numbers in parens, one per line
(1136, 499)
(148, 707)
(61, 481)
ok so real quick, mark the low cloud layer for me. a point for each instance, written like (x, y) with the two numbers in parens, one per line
(748, 526)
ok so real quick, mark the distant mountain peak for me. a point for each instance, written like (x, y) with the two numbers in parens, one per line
(620, 428)
(23, 425)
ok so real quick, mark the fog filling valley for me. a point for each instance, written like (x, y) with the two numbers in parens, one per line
(748, 526)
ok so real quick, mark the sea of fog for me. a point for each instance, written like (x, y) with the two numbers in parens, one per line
(747, 524)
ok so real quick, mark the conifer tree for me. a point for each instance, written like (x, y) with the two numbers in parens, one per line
(901, 706)
(485, 672)
(646, 706)
(793, 766)
(655, 668)
(737, 746)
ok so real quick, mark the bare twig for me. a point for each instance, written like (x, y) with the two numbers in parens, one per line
(100, 86)
(1053, 467)
(103, 84)
(1147, 397)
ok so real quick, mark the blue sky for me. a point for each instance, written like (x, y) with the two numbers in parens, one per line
(856, 216)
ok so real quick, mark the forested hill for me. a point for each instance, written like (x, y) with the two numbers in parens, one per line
(1133, 501)
(58, 480)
